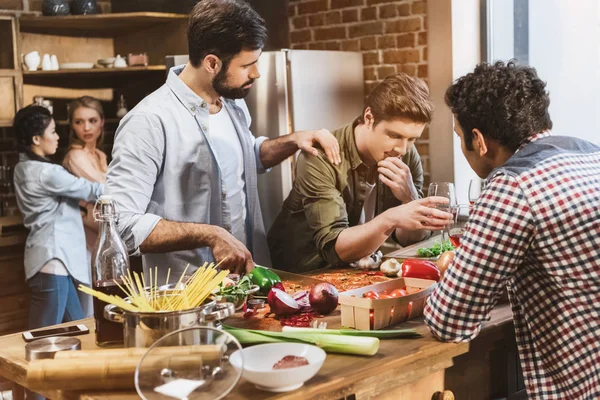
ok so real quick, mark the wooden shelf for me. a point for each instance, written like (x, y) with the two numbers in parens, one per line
(90, 78)
(100, 25)
(95, 71)
(5, 123)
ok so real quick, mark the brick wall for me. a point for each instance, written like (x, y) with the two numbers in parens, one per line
(391, 35)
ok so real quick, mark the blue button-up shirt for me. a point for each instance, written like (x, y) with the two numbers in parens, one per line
(48, 197)
(164, 166)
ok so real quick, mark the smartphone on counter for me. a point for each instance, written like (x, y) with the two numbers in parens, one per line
(65, 331)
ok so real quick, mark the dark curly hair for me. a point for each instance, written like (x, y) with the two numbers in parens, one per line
(507, 102)
(31, 121)
(224, 28)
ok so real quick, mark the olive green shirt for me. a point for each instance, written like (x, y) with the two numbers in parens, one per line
(326, 199)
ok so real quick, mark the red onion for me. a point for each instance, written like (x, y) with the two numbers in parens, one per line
(323, 297)
(301, 298)
(281, 303)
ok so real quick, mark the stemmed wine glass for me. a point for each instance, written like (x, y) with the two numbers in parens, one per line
(457, 228)
(476, 186)
(443, 189)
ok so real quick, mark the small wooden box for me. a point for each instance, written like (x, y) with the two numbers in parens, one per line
(357, 311)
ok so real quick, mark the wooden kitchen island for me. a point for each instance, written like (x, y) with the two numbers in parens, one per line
(402, 369)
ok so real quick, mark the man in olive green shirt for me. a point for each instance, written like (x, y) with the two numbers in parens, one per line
(338, 214)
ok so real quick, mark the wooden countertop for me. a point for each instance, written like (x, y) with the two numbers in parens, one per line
(397, 362)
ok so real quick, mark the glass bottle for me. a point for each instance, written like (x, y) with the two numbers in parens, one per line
(110, 262)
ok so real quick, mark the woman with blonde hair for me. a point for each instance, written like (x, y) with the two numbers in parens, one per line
(85, 160)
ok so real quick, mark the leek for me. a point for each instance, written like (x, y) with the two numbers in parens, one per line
(364, 346)
(389, 334)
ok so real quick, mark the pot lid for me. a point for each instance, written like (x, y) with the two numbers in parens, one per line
(191, 363)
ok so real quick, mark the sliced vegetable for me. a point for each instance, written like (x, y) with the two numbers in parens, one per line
(388, 334)
(303, 319)
(281, 303)
(301, 298)
(345, 344)
(422, 269)
(264, 278)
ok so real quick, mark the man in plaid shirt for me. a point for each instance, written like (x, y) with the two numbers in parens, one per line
(535, 230)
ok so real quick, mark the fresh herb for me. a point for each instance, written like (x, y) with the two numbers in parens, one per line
(236, 293)
(435, 250)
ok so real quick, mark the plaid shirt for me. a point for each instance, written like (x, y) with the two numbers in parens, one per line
(536, 231)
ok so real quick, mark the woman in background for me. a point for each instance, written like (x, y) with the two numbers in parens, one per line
(48, 197)
(85, 160)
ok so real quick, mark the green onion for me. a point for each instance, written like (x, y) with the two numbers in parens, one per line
(388, 334)
(345, 344)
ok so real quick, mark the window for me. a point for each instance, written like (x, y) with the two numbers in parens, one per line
(561, 39)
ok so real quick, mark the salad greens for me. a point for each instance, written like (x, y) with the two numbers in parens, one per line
(236, 293)
(435, 250)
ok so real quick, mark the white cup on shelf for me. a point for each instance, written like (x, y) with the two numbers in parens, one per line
(32, 60)
(54, 62)
(46, 63)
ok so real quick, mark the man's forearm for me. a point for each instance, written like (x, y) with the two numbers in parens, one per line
(405, 237)
(362, 240)
(174, 236)
(274, 151)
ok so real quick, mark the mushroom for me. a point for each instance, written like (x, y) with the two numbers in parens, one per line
(371, 261)
(391, 267)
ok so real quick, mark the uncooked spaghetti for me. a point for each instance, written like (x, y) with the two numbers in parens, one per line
(185, 295)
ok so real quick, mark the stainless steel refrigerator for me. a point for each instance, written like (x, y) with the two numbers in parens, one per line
(299, 90)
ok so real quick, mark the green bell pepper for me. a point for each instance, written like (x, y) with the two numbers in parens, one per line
(264, 278)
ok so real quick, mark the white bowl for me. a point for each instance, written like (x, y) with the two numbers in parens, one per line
(258, 364)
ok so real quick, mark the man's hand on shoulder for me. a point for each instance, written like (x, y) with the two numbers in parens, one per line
(307, 140)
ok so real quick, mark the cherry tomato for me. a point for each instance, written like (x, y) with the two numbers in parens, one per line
(384, 296)
(371, 295)
(398, 293)
(411, 290)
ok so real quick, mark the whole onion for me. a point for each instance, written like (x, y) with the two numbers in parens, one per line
(281, 303)
(323, 298)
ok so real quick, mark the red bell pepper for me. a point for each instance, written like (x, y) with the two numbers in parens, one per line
(422, 269)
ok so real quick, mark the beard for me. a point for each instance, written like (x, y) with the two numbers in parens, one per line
(229, 92)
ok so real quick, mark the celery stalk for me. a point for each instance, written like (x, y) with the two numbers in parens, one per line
(388, 334)
(366, 346)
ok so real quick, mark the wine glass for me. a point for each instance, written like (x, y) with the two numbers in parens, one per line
(476, 186)
(457, 228)
(443, 189)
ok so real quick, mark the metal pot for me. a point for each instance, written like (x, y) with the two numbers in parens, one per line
(142, 329)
